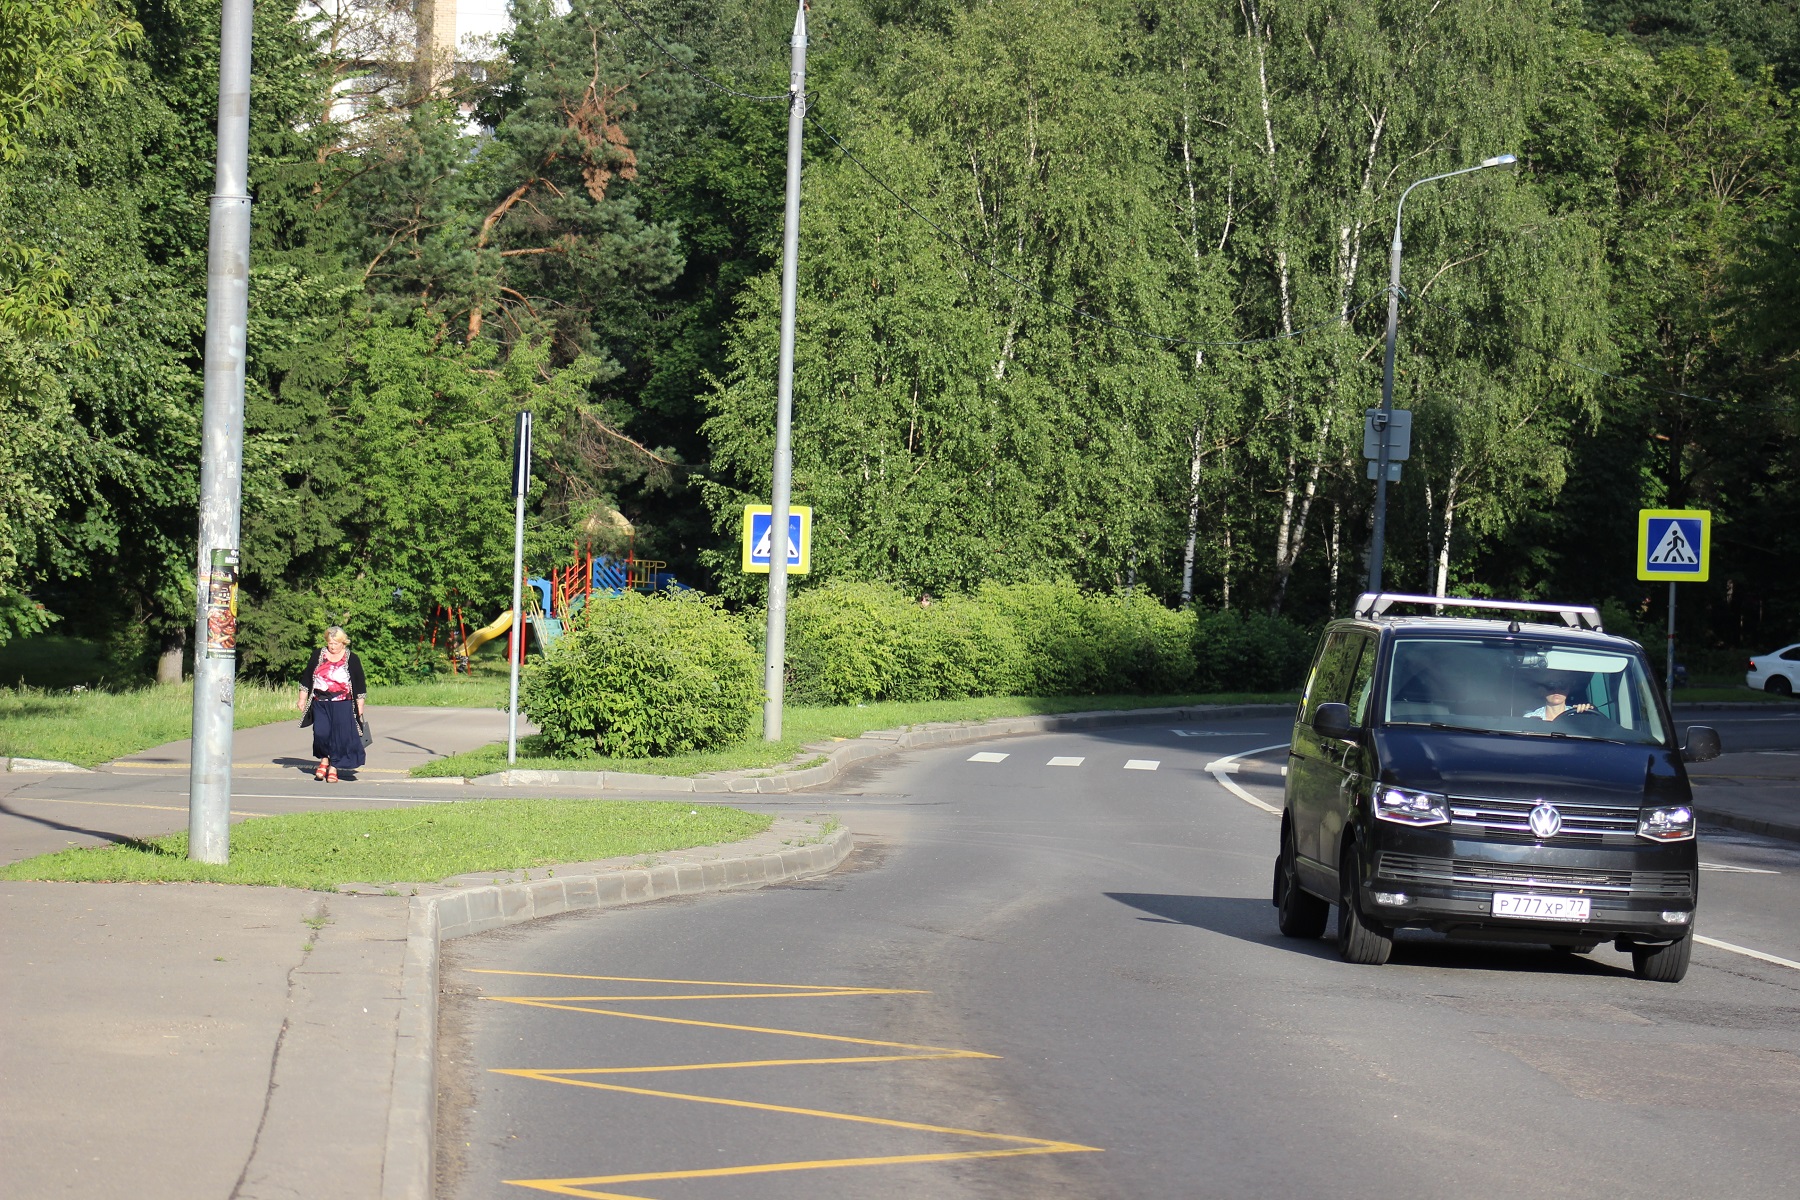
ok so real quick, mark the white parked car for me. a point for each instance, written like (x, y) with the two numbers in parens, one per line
(1778, 672)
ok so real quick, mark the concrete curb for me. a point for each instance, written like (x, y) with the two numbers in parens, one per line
(409, 1160)
(39, 764)
(840, 756)
(1773, 829)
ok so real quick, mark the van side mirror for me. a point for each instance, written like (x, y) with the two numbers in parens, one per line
(1333, 721)
(1702, 744)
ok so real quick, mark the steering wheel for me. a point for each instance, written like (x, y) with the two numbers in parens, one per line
(1592, 722)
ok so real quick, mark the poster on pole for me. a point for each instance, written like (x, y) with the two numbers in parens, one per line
(1674, 544)
(222, 605)
(759, 522)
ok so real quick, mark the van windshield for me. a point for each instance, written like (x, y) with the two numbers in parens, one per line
(1523, 686)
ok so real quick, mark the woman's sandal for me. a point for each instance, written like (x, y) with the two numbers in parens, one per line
(319, 773)
(331, 775)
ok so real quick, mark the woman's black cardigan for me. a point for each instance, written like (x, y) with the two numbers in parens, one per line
(357, 686)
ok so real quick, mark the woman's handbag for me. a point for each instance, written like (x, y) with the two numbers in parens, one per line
(362, 727)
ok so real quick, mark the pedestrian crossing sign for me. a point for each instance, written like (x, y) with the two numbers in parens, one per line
(1674, 544)
(759, 521)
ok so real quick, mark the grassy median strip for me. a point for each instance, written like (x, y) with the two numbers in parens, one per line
(802, 725)
(407, 845)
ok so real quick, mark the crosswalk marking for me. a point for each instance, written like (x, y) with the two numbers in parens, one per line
(987, 756)
(1062, 761)
(1142, 764)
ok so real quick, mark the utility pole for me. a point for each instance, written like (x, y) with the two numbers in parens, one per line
(222, 449)
(521, 486)
(1378, 539)
(775, 650)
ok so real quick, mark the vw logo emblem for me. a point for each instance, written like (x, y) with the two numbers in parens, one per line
(1546, 822)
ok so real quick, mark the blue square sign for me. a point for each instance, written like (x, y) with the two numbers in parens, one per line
(758, 523)
(1674, 544)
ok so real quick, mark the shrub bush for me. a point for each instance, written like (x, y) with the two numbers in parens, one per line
(639, 676)
(852, 643)
(843, 642)
(1236, 651)
(1062, 657)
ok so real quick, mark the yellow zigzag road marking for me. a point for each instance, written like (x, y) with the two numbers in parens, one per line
(578, 1186)
(583, 1186)
(771, 987)
(933, 1051)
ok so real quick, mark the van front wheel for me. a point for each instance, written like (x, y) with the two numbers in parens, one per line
(1359, 940)
(1663, 964)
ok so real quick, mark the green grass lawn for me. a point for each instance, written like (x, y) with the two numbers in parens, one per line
(69, 703)
(1718, 695)
(91, 727)
(802, 725)
(411, 845)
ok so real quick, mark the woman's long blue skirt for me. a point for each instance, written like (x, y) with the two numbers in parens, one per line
(335, 734)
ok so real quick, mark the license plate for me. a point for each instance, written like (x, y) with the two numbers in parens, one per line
(1543, 908)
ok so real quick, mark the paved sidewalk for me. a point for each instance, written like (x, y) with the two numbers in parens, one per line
(182, 1040)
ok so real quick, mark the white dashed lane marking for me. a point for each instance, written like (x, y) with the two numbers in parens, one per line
(1142, 764)
(987, 756)
(1065, 762)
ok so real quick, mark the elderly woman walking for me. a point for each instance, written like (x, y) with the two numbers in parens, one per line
(331, 693)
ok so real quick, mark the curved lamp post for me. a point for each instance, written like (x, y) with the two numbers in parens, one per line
(1378, 542)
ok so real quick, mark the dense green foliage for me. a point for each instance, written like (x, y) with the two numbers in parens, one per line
(1068, 374)
(646, 675)
(854, 643)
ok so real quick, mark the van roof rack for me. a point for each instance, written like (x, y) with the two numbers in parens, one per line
(1575, 616)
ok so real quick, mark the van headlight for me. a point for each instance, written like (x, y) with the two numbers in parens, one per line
(1405, 807)
(1668, 823)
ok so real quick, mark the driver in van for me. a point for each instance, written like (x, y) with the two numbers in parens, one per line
(1556, 703)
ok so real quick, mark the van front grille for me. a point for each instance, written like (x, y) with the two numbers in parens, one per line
(1506, 820)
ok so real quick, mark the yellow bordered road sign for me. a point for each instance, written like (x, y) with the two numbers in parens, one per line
(759, 520)
(1674, 544)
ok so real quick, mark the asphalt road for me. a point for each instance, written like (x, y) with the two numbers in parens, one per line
(1065, 980)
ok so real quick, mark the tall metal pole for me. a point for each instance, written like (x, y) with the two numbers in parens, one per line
(775, 652)
(521, 485)
(1378, 538)
(1669, 669)
(222, 449)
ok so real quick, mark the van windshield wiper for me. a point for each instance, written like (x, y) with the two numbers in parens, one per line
(1462, 728)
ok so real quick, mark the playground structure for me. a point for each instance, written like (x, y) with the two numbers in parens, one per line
(551, 603)
(561, 598)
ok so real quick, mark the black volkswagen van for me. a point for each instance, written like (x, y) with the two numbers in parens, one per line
(1507, 779)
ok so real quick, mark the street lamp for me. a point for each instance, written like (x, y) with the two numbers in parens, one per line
(1378, 542)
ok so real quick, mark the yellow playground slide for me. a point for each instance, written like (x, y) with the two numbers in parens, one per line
(487, 633)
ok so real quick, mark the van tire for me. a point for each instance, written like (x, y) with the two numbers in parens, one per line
(1663, 964)
(1298, 912)
(1360, 941)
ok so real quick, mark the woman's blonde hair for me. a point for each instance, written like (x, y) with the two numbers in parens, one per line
(336, 634)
